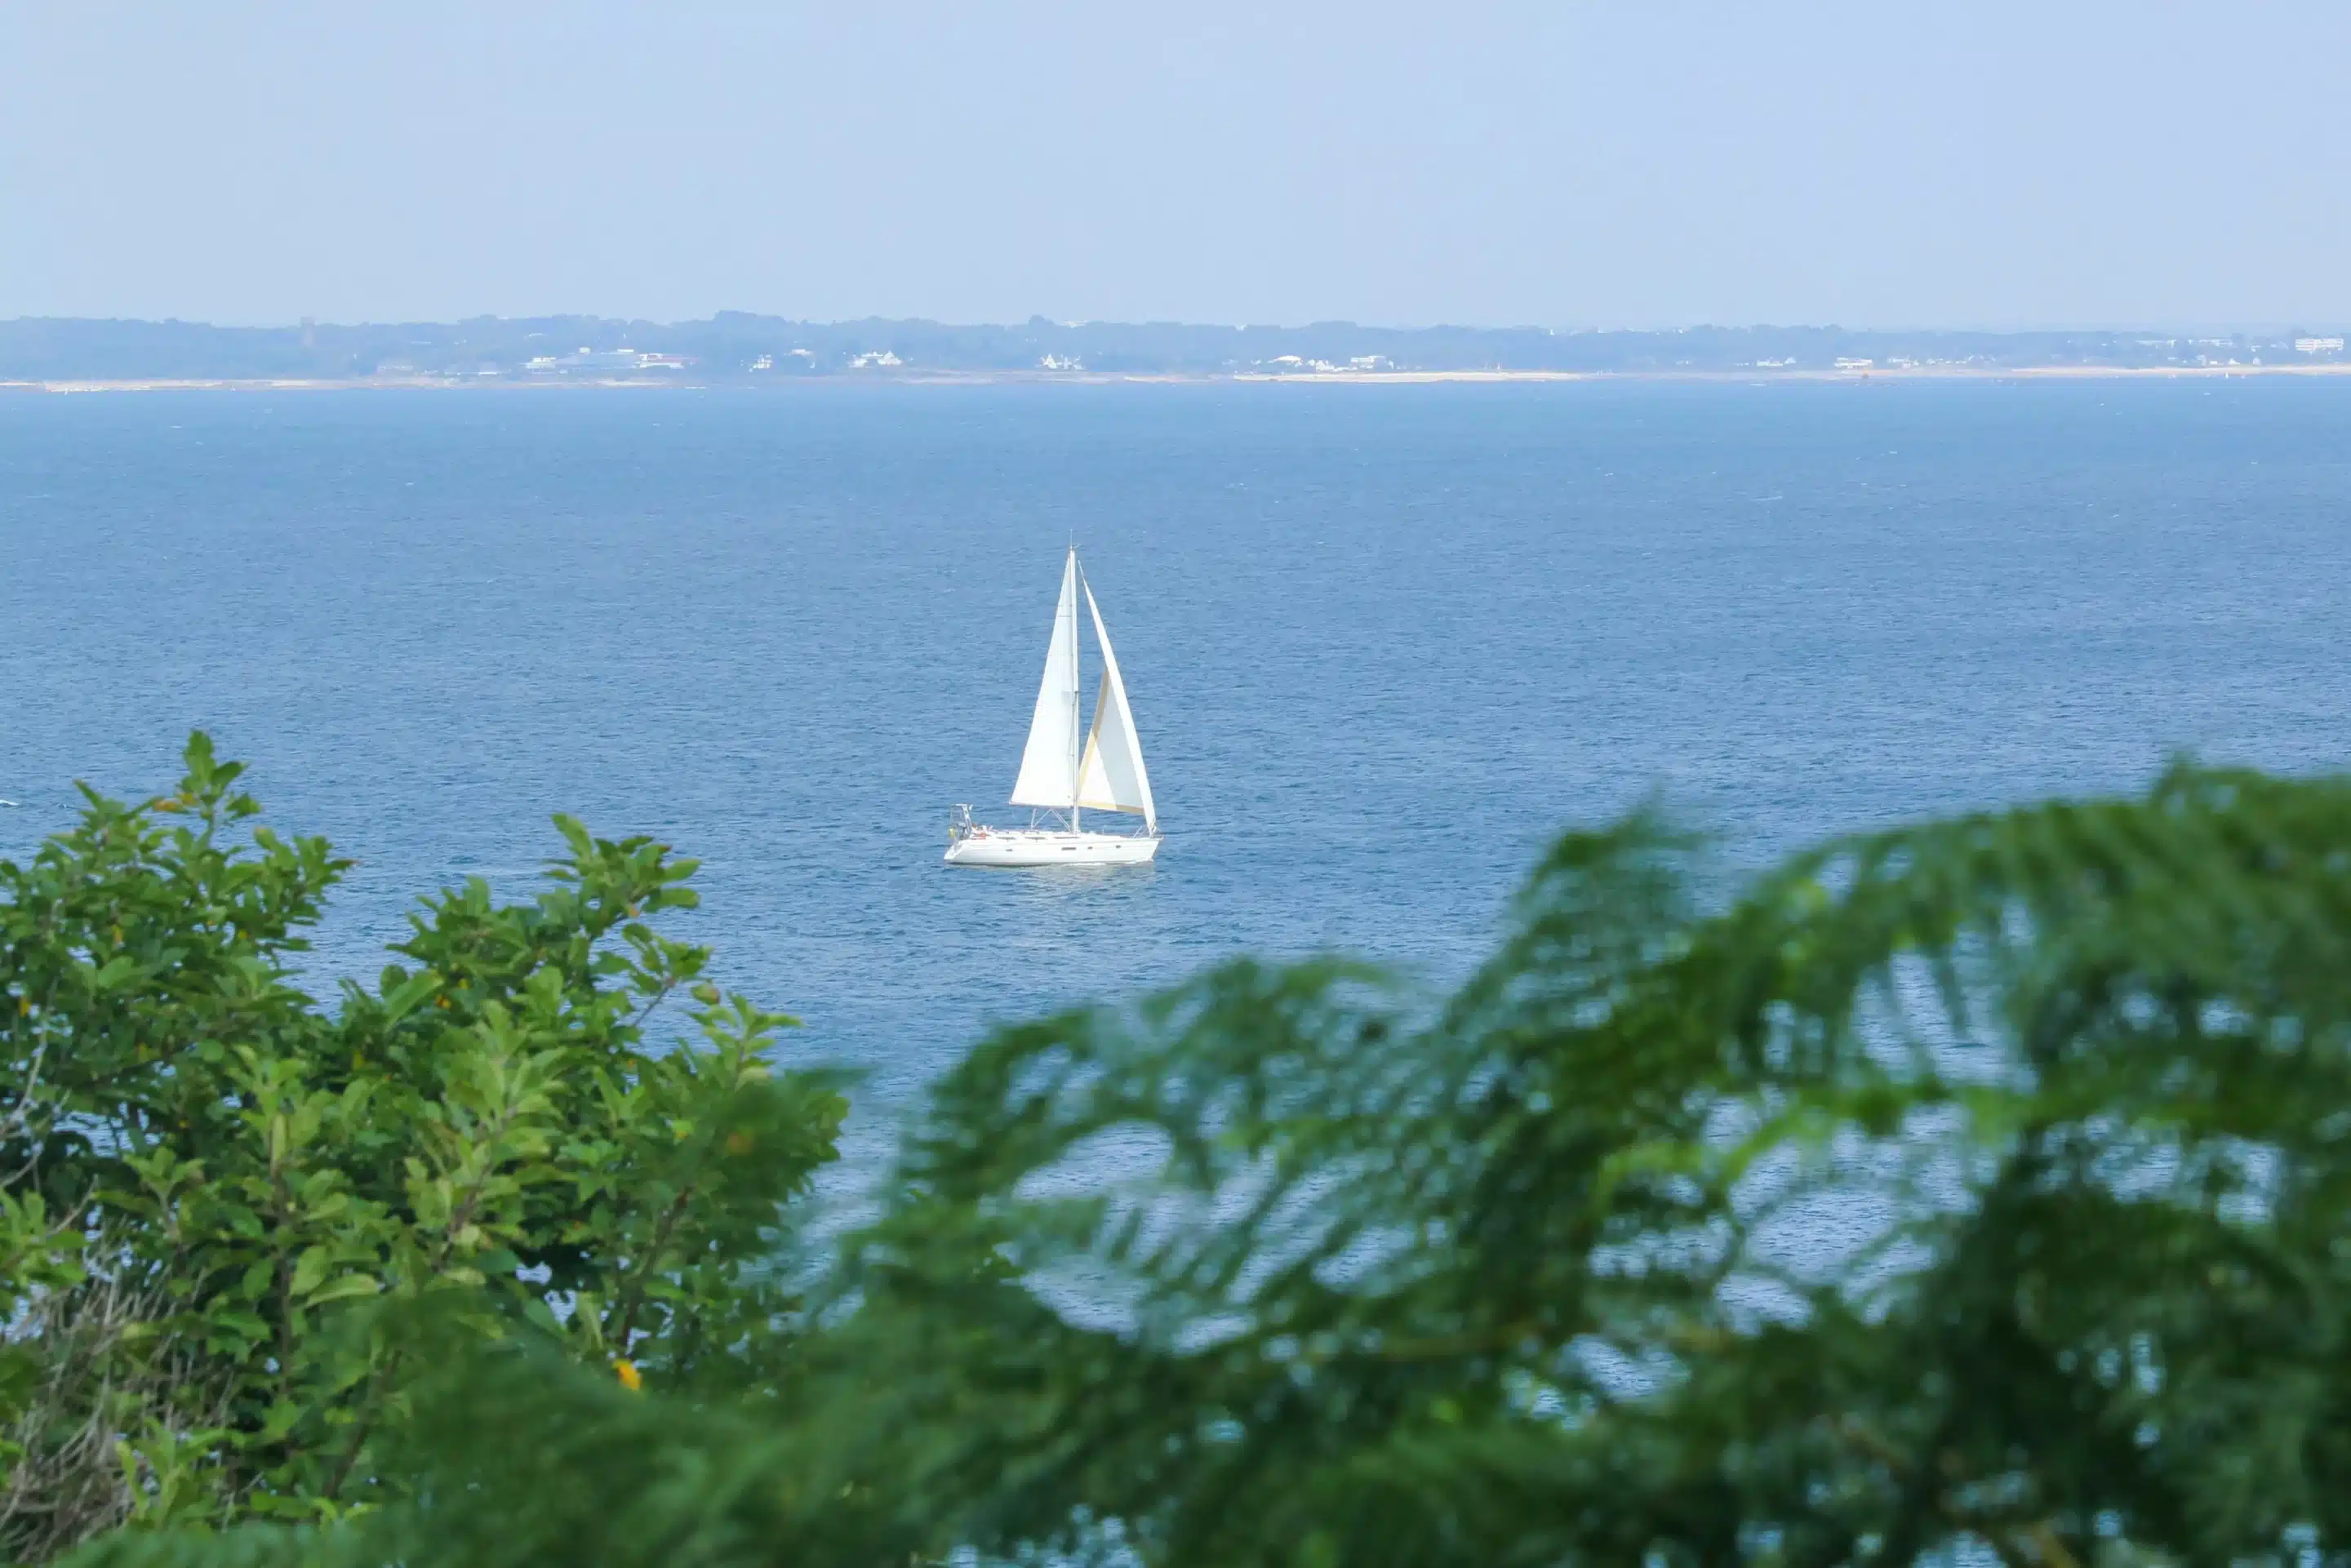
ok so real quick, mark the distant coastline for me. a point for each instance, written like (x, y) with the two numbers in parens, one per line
(734, 349)
(1088, 377)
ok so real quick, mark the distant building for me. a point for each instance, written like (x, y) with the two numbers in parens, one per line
(612, 360)
(2318, 345)
(1060, 362)
(882, 358)
(1854, 364)
(586, 359)
(764, 362)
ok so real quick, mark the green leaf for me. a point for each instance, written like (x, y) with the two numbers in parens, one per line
(309, 1269)
(575, 835)
(115, 972)
(409, 994)
(344, 1287)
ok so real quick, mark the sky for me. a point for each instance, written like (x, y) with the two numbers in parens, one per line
(1640, 164)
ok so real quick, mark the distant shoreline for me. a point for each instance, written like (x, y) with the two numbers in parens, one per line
(1757, 377)
(736, 348)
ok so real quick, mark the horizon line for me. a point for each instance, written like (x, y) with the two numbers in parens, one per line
(1039, 322)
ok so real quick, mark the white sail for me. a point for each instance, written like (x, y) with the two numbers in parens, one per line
(1113, 778)
(1049, 768)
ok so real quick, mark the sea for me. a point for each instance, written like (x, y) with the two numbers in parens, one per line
(1383, 643)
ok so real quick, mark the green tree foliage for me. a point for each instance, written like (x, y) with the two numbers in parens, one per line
(1967, 1192)
(227, 1207)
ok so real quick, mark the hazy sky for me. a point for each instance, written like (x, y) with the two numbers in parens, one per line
(1638, 163)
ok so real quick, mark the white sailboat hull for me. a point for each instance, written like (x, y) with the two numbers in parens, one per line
(1034, 847)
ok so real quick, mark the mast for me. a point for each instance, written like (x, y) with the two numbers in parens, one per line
(1077, 697)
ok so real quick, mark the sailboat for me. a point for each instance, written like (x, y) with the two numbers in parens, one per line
(1059, 781)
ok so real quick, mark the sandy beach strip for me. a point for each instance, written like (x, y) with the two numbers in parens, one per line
(914, 376)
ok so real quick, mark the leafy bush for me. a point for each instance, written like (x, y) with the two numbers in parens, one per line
(218, 1191)
(1971, 1191)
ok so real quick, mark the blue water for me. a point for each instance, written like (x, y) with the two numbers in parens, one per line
(1381, 641)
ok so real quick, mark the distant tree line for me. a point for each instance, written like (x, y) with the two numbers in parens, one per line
(734, 346)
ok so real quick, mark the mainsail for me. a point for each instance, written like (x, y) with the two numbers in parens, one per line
(1049, 768)
(1113, 778)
